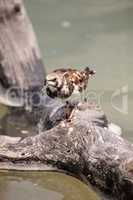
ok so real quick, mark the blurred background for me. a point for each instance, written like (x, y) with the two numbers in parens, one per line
(78, 33)
(97, 33)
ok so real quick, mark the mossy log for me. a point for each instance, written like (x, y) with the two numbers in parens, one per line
(81, 144)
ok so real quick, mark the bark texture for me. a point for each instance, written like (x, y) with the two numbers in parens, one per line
(73, 137)
(20, 61)
(81, 144)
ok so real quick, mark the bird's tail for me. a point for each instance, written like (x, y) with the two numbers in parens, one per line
(89, 72)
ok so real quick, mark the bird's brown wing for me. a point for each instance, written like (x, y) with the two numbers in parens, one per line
(64, 70)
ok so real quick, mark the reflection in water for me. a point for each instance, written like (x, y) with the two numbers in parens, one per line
(79, 33)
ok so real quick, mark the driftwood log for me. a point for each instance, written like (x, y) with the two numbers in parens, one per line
(73, 137)
(81, 144)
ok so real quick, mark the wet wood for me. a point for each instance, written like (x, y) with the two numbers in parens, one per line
(20, 61)
(81, 144)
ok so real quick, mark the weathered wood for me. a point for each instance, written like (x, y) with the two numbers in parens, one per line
(81, 144)
(20, 61)
(77, 138)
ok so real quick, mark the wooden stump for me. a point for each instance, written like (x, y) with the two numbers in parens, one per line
(20, 61)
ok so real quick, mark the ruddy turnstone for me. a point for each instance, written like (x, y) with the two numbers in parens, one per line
(62, 83)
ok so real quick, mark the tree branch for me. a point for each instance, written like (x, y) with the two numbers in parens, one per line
(81, 144)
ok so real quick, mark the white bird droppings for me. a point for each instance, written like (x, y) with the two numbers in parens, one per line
(70, 130)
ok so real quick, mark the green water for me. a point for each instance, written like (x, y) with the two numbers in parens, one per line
(96, 32)
(43, 186)
(78, 33)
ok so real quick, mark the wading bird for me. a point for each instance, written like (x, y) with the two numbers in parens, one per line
(62, 83)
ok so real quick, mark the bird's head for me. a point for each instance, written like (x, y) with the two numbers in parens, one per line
(53, 80)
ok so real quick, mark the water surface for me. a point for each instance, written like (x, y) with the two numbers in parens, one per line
(96, 33)
(80, 33)
(40, 186)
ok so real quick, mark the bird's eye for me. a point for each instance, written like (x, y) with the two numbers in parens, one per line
(54, 79)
